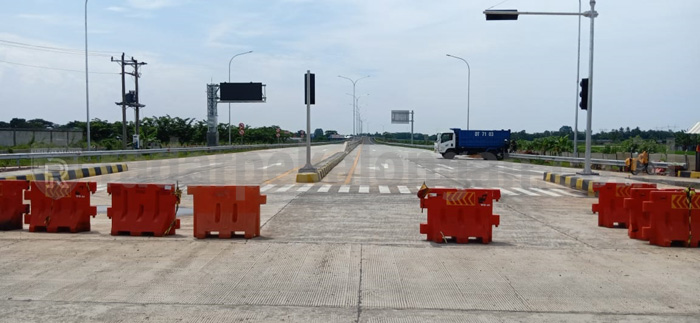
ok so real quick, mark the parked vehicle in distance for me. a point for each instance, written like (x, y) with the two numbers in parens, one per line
(490, 144)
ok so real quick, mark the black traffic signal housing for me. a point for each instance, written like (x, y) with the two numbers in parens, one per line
(584, 94)
(506, 14)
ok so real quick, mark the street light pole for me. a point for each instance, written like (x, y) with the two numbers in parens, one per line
(229, 105)
(578, 76)
(354, 106)
(357, 107)
(87, 93)
(469, 81)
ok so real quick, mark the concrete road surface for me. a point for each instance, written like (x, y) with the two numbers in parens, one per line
(348, 249)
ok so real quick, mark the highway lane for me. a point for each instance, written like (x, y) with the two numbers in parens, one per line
(260, 167)
(348, 249)
(390, 169)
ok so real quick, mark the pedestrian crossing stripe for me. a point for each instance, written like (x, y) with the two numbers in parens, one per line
(402, 190)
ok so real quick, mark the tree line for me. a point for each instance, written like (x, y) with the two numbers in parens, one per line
(158, 131)
(176, 131)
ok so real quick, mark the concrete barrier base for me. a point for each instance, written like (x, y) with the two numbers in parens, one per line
(308, 178)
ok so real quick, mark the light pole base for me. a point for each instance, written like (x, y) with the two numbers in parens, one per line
(308, 177)
(308, 169)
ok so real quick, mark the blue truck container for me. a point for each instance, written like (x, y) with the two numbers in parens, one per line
(489, 143)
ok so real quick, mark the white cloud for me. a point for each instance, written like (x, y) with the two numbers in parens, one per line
(116, 9)
(50, 19)
(155, 4)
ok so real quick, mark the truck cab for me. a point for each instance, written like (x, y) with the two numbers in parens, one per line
(445, 142)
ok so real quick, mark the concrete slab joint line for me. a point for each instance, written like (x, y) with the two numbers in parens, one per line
(71, 174)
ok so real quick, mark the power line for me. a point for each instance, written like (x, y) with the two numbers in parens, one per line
(52, 49)
(53, 68)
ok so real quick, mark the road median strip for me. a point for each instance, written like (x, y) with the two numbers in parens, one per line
(325, 166)
(71, 173)
(571, 181)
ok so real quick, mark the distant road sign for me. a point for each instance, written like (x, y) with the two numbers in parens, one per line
(400, 116)
(241, 92)
(277, 134)
(241, 132)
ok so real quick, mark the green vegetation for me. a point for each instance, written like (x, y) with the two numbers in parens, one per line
(616, 141)
(154, 131)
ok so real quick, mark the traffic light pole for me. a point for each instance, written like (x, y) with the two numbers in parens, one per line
(592, 14)
(308, 167)
(589, 116)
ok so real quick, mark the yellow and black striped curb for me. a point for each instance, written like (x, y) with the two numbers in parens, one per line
(571, 181)
(71, 174)
(690, 174)
(325, 166)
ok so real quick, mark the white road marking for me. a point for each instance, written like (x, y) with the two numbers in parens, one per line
(404, 190)
(344, 189)
(271, 165)
(507, 192)
(564, 192)
(386, 166)
(325, 188)
(544, 192)
(305, 188)
(383, 189)
(524, 191)
(101, 187)
(285, 188)
(443, 166)
(267, 187)
(364, 189)
(521, 169)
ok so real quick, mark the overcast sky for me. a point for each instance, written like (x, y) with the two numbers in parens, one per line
(523, 73)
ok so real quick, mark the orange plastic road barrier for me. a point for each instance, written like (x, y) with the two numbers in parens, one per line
(459, 214)
(610, 206)
(60, 206)
(143, 209)
(673, 218)
(12, 206)
(226, 210)
(639, 219)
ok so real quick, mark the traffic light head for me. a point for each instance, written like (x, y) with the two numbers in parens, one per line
(584, 94)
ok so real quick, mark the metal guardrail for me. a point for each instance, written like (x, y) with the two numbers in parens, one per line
(99, 153)
(607, 162)
(381, 142)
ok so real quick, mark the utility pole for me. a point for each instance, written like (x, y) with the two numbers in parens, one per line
(411, 127)
(136, 97)
(131, 99)
(123, 103)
